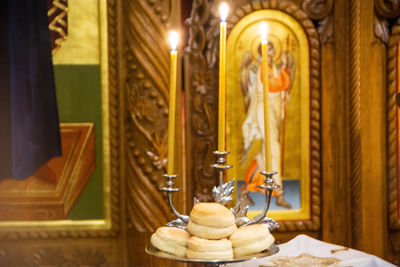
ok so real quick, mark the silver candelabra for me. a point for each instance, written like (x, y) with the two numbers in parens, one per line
(223, 194)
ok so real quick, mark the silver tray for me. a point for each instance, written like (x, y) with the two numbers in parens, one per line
(273, 249)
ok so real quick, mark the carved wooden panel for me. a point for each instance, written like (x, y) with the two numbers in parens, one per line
(387, 30)
(355, 121)
(146, 96)
(54, 255)
(201, 81)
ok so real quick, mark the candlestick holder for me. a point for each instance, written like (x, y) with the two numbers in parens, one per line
(268, 186)
(221, 165)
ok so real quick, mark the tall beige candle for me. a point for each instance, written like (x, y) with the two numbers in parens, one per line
(267, 138)
(172, 105)
(222, 86)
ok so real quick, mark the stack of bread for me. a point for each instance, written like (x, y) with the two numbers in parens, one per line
(210, 225)
(214, 235)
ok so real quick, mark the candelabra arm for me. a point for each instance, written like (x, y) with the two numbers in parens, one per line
(269, 186)
(182, 220)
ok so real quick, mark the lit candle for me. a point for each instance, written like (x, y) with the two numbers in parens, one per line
(267, 138)
(222, 94)
(173, 38)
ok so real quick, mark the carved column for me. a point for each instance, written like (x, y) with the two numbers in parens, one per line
(146, 95)
(332, 29)
(372, 134)
(387, 29)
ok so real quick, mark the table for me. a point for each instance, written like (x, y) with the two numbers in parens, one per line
(305, 251)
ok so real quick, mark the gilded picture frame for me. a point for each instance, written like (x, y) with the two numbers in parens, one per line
(290, 44)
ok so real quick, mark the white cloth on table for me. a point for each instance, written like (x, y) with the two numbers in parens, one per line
(304, 244)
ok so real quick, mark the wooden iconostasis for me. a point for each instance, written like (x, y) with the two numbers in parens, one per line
(337, 125)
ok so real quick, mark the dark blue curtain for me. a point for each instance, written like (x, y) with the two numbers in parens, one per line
(29, 134)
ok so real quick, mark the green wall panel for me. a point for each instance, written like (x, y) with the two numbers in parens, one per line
(79, 100)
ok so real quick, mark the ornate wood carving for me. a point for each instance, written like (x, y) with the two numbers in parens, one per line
(201, 92)
(355, 121)
(320, 10)
(389, 9)
(201, 100)
(114, 116)
(385, 11)
(392, 128)
(114, 120)
(317, 9)
(57, 12)
(146, 94)
(381, 29)
(325, 30)
(54, 256)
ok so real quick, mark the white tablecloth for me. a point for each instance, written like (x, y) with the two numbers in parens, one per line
(315, 253)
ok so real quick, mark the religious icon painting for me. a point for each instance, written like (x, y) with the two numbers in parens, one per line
(72, 186)
(289, 112)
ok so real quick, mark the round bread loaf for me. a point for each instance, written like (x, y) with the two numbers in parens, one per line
(249, 234)
(212, 214)
(209, 255)
(170, 239)
(200, 244)
(251, 239)
(253, 247)
(166, 246)
(173, 234)
(210, 232)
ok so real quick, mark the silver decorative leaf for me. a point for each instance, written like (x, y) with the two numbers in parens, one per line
(222, 194)
(240, 210)
(271, 223)
(241, 221)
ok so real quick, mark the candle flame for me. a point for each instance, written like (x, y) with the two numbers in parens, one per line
(263, 31)
(173, 40)
(223, 10)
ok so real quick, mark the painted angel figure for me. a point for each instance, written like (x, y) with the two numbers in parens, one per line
(281, 73)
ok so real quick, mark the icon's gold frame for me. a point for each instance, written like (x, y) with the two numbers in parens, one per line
(235, 102)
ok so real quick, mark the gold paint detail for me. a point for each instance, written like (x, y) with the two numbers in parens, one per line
(82, 44)
(105, 111)
(58, 24)
(282, 25)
